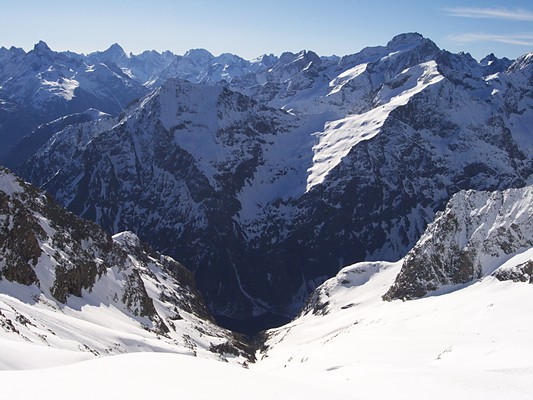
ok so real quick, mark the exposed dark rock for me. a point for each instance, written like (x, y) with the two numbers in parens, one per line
(521, 273)
(475, 226)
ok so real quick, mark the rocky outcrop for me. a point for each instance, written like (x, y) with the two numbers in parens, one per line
(473, 236)
(66, 263)
(521, 273)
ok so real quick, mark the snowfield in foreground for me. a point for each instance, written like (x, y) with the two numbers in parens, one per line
(153, 376)
(472, 342)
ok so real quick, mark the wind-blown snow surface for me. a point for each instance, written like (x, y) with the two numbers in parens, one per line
(155, 376)
(476, 342)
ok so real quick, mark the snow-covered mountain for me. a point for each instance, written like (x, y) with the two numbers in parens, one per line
(186, 151)
(381, 140)
(53, 84)
(28, 145)
(67, 285)
(473, 335)
(42, 85)
(265, 178)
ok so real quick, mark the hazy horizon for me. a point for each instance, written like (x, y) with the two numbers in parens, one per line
(253, 28)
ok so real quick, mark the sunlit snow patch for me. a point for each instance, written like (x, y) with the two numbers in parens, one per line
(341, 135)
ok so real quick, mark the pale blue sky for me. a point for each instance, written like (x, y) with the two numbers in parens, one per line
(253, 27)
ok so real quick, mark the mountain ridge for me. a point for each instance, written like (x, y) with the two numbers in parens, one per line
(65, 284)
(364, 152)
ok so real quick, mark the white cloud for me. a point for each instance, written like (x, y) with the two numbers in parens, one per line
(521, 39)
(516, 14)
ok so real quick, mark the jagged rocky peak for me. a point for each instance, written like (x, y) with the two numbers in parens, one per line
(115, 48)
(302, 56)
(423, 46)
(228, 58)
(493, 64)
(409, 39)
(523, 62)
(488, 59)
(199, 56)
(41, 48)
(403, 51)
(308, 55)
(266, 60)
(474, 235)
(115, 52)
(413, 41)
(128, 239)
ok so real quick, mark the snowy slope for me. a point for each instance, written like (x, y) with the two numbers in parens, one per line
(475, 342)
(341, 135)
(67, 285)
(472, 237)
(156, 375)
(466, 339)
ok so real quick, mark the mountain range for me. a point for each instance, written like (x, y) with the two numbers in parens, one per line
(375, 210)
(267, 180)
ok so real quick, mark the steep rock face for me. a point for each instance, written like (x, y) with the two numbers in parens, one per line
(476, 232)
(57, 265)
(379, 177)
(170, 171)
